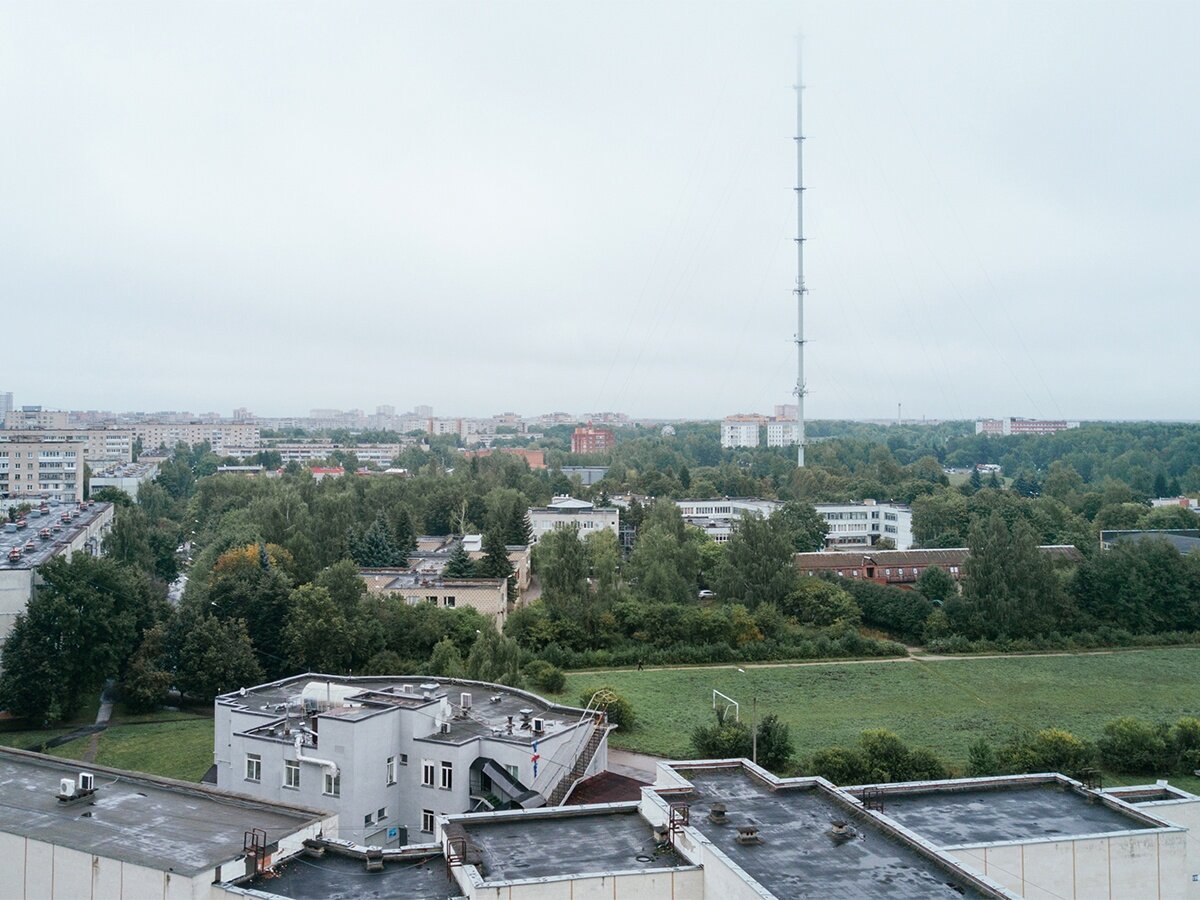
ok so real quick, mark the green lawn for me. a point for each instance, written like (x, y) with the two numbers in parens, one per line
(182, 749)
(943, 705)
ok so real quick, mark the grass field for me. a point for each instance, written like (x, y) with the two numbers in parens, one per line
(942, 705)
(181, 749)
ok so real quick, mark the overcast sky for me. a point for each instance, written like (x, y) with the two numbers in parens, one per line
(588, 206)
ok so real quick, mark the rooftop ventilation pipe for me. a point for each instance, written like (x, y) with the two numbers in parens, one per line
(300, 757)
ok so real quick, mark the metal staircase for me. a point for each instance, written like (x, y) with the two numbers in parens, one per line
(582, 761)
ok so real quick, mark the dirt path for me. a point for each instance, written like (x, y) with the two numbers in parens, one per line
(102, 717)
(915, 654)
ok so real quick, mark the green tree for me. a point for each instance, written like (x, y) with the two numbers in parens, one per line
(617, 708)
(820, 603)
(318, 636)
(374, 547)
(495, 658)
(775, 749)
(806, 526)
(1010, 588)
(404, 534)
(145, 685)
(1049, 750)
(459, 565)
(758, 566)
(495, 562)
(446, 660)
(217, 657)
(724, 739)
(260, 597)
(561, 562)
(1131, 745)
(936, 584)
(982, 759)
(345, 586)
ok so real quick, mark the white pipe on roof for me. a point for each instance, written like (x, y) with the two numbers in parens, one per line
(300, 757)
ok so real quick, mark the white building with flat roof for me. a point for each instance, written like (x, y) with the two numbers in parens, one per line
(740, 431)
(863, 523)
(72, 830)
(392, 753)
(567, 512)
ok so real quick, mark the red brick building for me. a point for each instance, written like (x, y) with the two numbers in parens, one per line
(902, 568)
(591, 440)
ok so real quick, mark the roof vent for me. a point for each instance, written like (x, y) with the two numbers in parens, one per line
(464, 700)
(526, 713)
(374, 859)
(841, 831)
(748, 834)
(444, 727)
(716, 814)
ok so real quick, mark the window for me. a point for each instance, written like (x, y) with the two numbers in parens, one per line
(514, 771)
(368, 820)
(291, 773)
(427, 821)
(450, 602)
(391, 770)
(333, 784)
(382, 814)
(404, 759)
(427, 776)
(253, 767)
(447, 776)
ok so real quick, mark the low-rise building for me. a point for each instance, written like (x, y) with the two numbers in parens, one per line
(535, 458)
(587, 475)
(1016, 425)
(488, 596)
(863, 523)
(49, 531)
(902, 568)
(127, 477)
(728, 507)
(1183, 502)
(567, 512)
(33, 469)
(70, 830)
(1185, 540)
(391, 754)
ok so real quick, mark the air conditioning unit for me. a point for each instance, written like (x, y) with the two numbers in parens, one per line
(87, 781)
(464, 700)
(539, 725)
(444, 727)
(66, 787)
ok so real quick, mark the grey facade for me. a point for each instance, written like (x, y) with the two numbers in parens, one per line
(389, 755)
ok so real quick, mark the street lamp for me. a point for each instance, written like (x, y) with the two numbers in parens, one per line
(753, 720)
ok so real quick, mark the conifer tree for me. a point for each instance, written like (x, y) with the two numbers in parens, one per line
(460, 564)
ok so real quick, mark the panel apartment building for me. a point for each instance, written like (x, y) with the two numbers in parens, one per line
(389, 755)
(220, 435)
(101, 446)
(32, 468)
(1014, 425)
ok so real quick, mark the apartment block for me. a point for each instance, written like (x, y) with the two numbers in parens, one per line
(741, 431)
(36, 469)
(101, 446)
(35, 417)
(592, 440)
(219, 435)
(1014, 425)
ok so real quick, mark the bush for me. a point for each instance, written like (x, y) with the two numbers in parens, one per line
(900, 613)
(724, 739)
(1131, 745)
(841, 765)
(880, 757)
(775, 750)
(619, 710)
(1050, 750)
(546, 676)
(982, 759)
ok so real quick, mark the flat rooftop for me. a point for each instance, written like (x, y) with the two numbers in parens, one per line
(44, 549)
(1017, 812)
(337, 877)
(135, 818)
(547, 846)
(799, 857)
(355, 699)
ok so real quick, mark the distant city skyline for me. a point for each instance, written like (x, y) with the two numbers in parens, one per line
(539, 206)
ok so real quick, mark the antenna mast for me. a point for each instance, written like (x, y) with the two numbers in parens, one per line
(801, 387)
